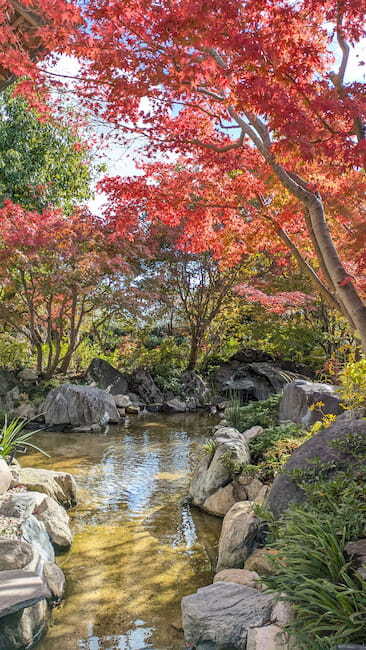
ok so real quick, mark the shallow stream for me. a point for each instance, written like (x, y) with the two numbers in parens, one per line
(138, 547)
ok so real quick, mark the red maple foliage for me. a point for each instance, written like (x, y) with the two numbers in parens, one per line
(57, 273)
(251, 99)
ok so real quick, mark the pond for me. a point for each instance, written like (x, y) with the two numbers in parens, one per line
(138, 547)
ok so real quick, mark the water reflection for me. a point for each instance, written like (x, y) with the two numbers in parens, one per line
(138, 548)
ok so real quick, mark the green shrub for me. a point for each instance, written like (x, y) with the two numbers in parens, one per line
(353, 384)
(267, 441)
(14, 353)
(229, 460)
(170, 381)
(311, 567)
(271, 449)
(263, 413)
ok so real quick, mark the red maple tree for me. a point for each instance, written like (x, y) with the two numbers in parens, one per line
(60, 277)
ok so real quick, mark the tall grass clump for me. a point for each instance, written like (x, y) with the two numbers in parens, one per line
(13, 438)
(263, 413)
(312, 569)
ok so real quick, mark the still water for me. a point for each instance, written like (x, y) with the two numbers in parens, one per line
(138, 547)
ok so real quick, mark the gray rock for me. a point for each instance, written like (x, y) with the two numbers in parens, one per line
(219, 616)
(299, 395)
(254, 488)
(122, 401)
(5, 476)
(8, 381)
(252, 379)
(262, 561)
(212, 470)
(240, 576)
(60, 486)
(283, 613)
(71, 405)
(328, 458)
(195, 388)
(28, 375)
(357, 551)
(34, 532)
(136, 400)
(174, 405)
(238, 535)
(351, 647)
(252, 433)
(269, 637)
(142, 383)
(23, 628)
(20, 589)
(55, 580)
(105, 376)
(221, 501)
(14, 554)
(55, 520)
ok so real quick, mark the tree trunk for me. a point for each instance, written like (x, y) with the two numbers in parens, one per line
(345, 290)
(193, 355)
(39, 354)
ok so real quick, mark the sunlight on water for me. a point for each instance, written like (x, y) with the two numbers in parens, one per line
(138, 546)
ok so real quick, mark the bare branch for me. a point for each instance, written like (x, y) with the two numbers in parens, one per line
(221, 149)
(211, 93)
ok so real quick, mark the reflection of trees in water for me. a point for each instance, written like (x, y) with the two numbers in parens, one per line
(129, 466)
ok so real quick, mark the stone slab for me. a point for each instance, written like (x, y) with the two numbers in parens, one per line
(20, 589)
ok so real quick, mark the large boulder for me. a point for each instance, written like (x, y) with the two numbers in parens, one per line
(213, 470)
(238, 535)
(20, 589)
(60, 486)
(219, 616)
(5, 476)
(142, 383)
(79, 406)
(45, 509)
(195, 389)
(318, 455)
(251, 375)
(299, 397)
(105, 376)
(22, 628)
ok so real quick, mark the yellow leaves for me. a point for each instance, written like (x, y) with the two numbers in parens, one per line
(316, 406)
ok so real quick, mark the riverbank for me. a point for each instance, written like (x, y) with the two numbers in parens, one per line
(291, 563)
(34, 527)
